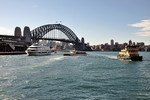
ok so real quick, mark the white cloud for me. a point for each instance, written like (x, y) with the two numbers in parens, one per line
(145, 27)
(145, 33)
(6, 31)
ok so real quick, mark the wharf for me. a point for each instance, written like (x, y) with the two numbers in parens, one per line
(12, 53)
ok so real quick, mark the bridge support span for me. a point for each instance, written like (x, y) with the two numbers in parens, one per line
(42, 31)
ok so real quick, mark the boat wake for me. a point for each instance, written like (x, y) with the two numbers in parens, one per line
(34, 62)
(108, 56)
(58, 58)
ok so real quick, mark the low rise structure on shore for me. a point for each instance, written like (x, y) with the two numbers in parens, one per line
(117, 47)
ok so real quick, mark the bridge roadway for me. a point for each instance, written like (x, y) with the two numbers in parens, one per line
(10, 37)
(62, 40)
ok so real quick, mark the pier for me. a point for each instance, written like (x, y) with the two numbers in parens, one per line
(12, 53)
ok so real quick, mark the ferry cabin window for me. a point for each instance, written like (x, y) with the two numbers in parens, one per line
(132, 50)
(33, 50)
(132, 55)
(35, 47)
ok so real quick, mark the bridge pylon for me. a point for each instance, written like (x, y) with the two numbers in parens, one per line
(80, 45)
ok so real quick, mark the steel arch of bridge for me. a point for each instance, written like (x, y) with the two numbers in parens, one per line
(39, 32)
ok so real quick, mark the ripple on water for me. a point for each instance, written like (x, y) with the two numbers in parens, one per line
(94, 77)
(31, 87)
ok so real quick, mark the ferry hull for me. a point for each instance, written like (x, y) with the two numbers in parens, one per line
(38, 53)
(137, 58)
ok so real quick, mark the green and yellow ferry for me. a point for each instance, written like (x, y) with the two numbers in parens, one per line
(130, 53)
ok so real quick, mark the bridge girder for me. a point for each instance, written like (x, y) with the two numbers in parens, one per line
(39, 32)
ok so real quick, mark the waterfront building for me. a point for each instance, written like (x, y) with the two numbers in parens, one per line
(112, 42)
(62, 44)
(118, 47)
(112, 45)
(16, 43)
(148, 48)
(88, 44)
(52, 43)
(130, 42)
(116, 43)
(67, 46)
(133, 43)
(125, 44)
(140, 44)
(43, 42)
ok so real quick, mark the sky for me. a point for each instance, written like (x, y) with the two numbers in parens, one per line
(98, 21)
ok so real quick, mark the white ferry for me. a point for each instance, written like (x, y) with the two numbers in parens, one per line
(38, 50)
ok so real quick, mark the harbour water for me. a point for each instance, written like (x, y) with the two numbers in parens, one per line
(98, 76)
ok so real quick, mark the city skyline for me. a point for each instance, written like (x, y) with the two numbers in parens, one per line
(98, 21)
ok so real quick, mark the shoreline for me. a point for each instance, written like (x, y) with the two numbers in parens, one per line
(12, 53)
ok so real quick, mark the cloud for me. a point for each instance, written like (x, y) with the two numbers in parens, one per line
(6, 31)
(145, 33)
(145, 27)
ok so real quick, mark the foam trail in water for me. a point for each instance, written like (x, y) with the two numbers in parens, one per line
(36, 62)
(59, 58)
(53, 59)
(108, 56)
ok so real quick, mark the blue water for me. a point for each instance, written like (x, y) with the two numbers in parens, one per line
(98, 76)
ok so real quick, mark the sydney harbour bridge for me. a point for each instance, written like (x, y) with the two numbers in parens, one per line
(54, 32)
